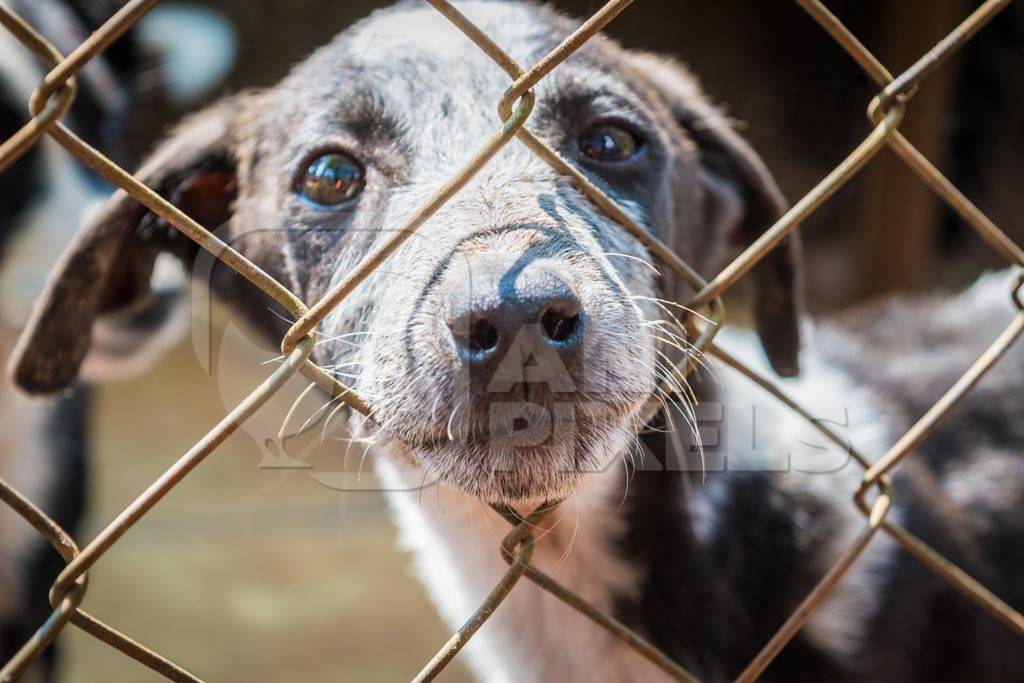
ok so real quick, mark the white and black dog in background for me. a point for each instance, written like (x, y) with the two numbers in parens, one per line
(507, 348)
(43, 199)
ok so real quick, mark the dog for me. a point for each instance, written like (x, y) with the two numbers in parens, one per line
(507, 349)
(44, 197)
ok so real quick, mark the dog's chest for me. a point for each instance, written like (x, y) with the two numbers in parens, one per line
(532, 636)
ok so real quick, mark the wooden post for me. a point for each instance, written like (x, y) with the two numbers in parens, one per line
(898, 217)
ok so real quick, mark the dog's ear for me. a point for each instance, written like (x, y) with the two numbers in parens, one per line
(104, 276)
(741, 201)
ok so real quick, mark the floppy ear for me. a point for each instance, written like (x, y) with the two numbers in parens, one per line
(741, 201)
(104, 275)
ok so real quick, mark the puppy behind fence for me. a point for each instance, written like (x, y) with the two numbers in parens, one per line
(56, 93)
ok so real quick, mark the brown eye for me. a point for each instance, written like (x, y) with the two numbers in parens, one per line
(331, 179)
(609, 142)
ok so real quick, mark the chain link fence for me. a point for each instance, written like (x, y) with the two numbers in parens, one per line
(873, 498)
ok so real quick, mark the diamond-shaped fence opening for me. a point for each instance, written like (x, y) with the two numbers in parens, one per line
(873, 498)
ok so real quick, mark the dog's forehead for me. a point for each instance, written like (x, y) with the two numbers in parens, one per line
(524, 30)
(407, 78)
(409, 56)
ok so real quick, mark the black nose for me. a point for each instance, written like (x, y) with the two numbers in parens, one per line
(496, 306)
(484, 330)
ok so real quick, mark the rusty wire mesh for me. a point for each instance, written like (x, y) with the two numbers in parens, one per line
(56, 93)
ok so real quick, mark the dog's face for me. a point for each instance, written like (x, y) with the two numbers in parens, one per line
(508, 345)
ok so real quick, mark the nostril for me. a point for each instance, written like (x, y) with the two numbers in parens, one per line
(559, 324)
(483, 336)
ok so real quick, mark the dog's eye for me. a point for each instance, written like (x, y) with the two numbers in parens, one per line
(331, 179)
(609, 142)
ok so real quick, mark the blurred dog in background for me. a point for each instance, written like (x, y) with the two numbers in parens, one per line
(44, 198)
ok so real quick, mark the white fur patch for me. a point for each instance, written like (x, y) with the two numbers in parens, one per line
(807, 462)
(532, 636)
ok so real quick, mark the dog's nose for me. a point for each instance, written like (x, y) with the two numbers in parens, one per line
(495, 307)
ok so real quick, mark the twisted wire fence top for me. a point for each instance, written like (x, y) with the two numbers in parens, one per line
(874, 497)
